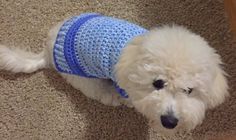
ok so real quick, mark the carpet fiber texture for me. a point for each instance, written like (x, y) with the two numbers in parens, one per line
(43, 106)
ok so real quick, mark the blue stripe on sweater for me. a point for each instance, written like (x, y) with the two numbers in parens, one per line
(69, 49)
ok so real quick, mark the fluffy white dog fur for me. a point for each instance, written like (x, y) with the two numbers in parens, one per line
(182, 59)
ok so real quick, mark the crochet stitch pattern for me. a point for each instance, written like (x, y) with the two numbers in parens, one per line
(90, 45)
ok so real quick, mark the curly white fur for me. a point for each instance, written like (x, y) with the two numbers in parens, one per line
(174, 54)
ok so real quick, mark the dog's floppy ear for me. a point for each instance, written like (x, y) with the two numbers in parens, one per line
(219, 87)
(128, 57)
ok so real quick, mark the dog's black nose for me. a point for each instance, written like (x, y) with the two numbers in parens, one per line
(169, 121)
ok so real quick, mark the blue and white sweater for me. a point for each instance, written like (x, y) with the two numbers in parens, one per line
(90, 45)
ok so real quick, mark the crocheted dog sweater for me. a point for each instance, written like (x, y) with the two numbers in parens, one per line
(90, 45)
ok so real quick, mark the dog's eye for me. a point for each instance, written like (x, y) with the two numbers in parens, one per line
(158, 84)
(188, 91)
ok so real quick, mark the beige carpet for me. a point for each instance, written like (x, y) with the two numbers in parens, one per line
(43, 106)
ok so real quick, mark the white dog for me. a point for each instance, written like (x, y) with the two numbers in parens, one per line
(171, 75)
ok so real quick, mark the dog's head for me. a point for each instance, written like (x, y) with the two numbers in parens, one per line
(172, 76)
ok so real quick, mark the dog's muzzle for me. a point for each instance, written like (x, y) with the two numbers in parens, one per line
(169, 121)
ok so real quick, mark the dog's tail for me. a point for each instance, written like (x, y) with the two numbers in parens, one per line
(16, 60)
